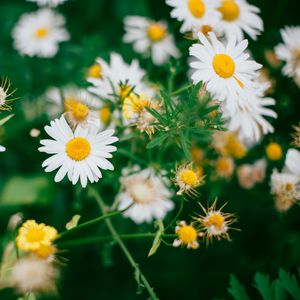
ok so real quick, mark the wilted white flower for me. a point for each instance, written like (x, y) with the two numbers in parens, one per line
(145, 195)
(150, 38)
(225, 69)
(194, 12)
(31, 274)
(289, 52)
(80, 154)
(187, 235)
(39, 33)
(238, 17)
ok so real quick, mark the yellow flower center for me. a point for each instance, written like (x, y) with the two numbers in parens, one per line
(197, 8)
(78, 148)
(156, 32)
(216, 220)
(95, 71)
(223, 165)
(274, 151)
(205, 29)
(223, 65)
(78, 109)
(35, 235)
(105, 114)
(229, 10)
(189, 177)
(289, 187)
(234, 147)
(41, 33)
(187, 234)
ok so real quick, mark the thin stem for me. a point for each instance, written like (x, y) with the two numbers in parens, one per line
(97, 239)
(177, 215)
(182, 89)
(89, 223)
(119, 241)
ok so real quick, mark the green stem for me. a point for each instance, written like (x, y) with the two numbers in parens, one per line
(177, 215)
(89, 223)
(119, 241)
(97, 239)
(182, 89)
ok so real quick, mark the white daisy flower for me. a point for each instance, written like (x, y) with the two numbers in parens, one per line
(31, 274)
(150, 37)
(237, 17)
(289, 52)
(225, 69)
(80, 154)
(39, 33)
(286, 189)
(52, 3)
(118, 79)
(248, 117)
(292, 162)
(2, 149)
(194, 12)
(146, 195)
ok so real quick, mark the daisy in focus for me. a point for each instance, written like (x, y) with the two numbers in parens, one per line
(289, 52)
(188, 178)
(80, 154)
(214, 223)
(145, 196)
(150, 38)
(239, 17)
(118, 79)
(194, 13)
(187, 235)
(32, 236)
(134, 111)
(225, 69)
(51, 3)
(39, 33)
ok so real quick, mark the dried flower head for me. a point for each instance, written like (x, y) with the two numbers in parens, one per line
(187, 235)
(6, 95)
(296, 136)
(215, 223)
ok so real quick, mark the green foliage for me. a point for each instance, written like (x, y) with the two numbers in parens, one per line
(278, 289)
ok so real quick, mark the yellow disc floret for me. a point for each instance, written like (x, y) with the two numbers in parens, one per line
(78, 148)
(189, 177)
(187, 234)
(41, 33)
(197, 8)
(229, 10)
(274, 151)
(105, 114)
(95, 71)
(156, 32)
(32, 236)
(223, 65)
(45, 251)
(78, 110)
(216, 220)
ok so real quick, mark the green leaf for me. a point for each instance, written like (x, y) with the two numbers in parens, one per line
(279, 291)
(157, 140)
(262, 284)
(157, 240)
(290, 284)
(236, 289)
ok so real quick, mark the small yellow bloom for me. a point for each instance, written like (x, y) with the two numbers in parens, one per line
(274, 151)
(32, 236)
(186, 235)
(94, 71)
(188, 178)
(45, 251)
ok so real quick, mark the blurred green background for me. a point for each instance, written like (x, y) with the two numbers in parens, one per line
(267, 240)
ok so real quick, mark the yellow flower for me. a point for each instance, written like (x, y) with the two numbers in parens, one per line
(274, 151)
(94, 71)
(186, 235)
(215, 223)
(32, 236)
(188, 178)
